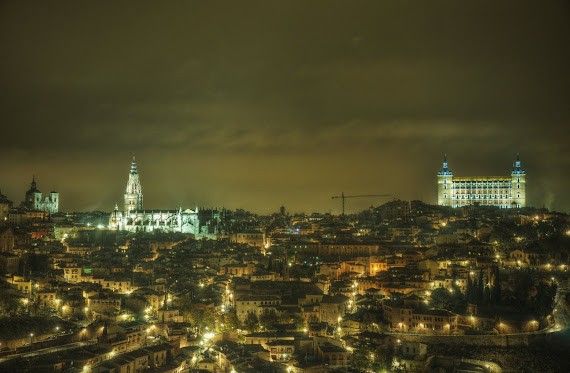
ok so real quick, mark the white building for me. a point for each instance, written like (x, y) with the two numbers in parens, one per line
(135, 219)
(35, 202)
(498, 191)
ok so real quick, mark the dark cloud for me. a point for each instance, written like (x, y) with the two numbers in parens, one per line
(259, 104)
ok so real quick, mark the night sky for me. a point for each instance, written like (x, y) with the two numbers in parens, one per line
(253, 105)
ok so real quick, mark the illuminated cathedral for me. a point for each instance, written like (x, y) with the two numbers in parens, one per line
(499, 191)
(134, 218)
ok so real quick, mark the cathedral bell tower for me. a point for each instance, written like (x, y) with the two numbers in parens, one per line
(444, 184)
(518, 181)
(133, 195)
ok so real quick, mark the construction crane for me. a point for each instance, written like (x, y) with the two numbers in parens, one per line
(357, 196)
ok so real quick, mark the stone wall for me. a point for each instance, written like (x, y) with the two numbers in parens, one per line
(501, 340)
(450, 363)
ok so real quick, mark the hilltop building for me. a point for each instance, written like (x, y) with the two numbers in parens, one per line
(33, 200)
(5, 206)
(498, 191)
(135, 219)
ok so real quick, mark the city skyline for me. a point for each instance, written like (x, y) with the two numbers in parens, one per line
(284, 186)
(350, 204)
(281, 103)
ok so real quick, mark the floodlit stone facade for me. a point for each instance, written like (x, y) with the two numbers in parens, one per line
(497, 191)
(135, 219)
(35, 201)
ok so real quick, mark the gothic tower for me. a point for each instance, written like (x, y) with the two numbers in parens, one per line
(444, 183)
(133, 195)
(518, 177)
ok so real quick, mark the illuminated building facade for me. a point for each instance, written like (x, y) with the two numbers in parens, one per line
(34, 201)
(133, 194)
(498, 191)
(135, 219)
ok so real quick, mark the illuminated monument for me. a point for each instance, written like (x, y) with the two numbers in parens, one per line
(498, 191)
(134, 219)
(133, 195)
(35, 202)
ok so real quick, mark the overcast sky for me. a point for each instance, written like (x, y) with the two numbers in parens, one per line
(258, 104)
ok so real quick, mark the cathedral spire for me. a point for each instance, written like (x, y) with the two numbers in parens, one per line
(133, 194)
(517, 168)
(134, 166)
(445, 170)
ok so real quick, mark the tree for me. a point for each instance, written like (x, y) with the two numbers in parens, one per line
(452, 301)
(480, 295)
(522, 286)
(470, 292)
(195, 316)
(230, 321)
(383, 357)
(210, 318)
(268, 319)
(487, 297)
(183, 302)
(496, 293)
(543, 302)
(251, 322)
(8, 302)
(361, 359)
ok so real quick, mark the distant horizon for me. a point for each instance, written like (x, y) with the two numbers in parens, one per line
(269, 212)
